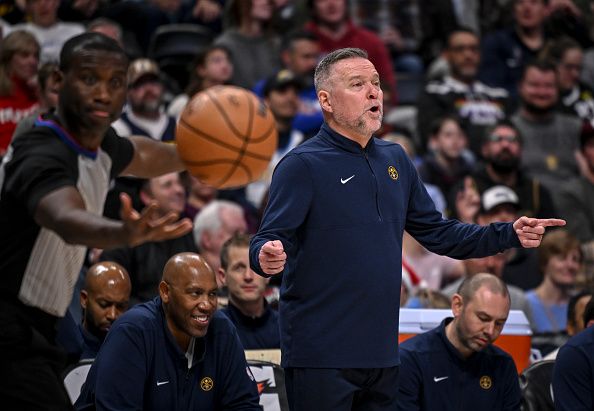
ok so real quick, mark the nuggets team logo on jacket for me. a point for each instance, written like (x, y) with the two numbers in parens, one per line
(206, 384)
(485, 382)
(393, 173)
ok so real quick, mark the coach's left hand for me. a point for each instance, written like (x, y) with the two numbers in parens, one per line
(531, 230)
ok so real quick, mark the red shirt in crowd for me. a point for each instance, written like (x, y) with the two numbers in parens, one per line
(13, 108)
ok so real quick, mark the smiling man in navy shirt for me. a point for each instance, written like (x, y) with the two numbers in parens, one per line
(454, 366)
(175, 352)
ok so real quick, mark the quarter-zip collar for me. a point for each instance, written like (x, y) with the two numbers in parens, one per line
(344, 143)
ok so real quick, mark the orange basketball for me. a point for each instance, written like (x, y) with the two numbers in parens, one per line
(226, 136)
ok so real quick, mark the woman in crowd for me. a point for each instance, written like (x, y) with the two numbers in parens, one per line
(212, 67)
(19, 58)
(560, 261)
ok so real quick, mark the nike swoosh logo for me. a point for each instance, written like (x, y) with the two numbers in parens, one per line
(438, 379)
(162, 382)
(346, 180)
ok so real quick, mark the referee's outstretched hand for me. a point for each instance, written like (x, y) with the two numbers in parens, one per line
(272, 257)
(531, 230)
(148, 225)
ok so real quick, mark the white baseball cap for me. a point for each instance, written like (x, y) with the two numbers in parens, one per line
(498, 195)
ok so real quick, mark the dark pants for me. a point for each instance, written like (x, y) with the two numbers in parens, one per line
(30, 365)
(342, 389)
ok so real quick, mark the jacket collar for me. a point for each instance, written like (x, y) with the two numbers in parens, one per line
(338, 140)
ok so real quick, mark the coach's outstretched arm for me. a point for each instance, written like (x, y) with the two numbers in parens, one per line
(531, 230)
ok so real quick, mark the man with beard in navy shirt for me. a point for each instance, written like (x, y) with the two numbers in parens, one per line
(454, 366)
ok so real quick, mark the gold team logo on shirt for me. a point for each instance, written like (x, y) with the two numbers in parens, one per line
(206, 384)
(393, 173)
(485, 382)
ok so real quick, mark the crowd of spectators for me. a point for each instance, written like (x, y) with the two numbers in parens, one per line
(500, 124)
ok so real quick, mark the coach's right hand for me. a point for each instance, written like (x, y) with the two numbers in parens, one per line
(272, 257)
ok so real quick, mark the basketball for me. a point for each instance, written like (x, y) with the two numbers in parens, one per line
(226, 136)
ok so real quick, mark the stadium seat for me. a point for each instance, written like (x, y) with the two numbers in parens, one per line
(535, 383)
(75, 377)
(174, 47)
(270, 379)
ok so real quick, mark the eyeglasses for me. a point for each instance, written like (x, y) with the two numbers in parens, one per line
(496, 138)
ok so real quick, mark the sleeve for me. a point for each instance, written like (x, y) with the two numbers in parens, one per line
(451, 237)
(240, 391)
(572, 381)
(291, 193)
(410, 383)
(30, 176)
(513, 395)
(121, 370)
(120, 149)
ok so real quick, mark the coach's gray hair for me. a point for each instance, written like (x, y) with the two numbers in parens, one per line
(209, 218)
(323, 68)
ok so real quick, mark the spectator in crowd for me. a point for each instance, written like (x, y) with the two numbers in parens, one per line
(445, 164)
(576, 197)
(212, 67)
(52, 194)
(332, 25)
(300, 52)
(108, 27)
(338, 207)
(455, 366)
(19, 57)
(81, 11)
(173, 352)
(103, 298)
(560, 261)
(115, 30)
(502, 165)
(461, 94)
(576, 309)
(145, 262)
(51, 33)
(215, 224)
(506, 52)
(576, 98)
(199, 195)
(550, 139)
(47, 94)
(144, 116)
(398, 23)
(498, 204)
(256, 322)
(281, 95)
(433, 269)
(254, 50)
(573, 385)
(208, 13)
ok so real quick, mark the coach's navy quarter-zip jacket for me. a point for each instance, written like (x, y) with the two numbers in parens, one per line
(340, 211)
